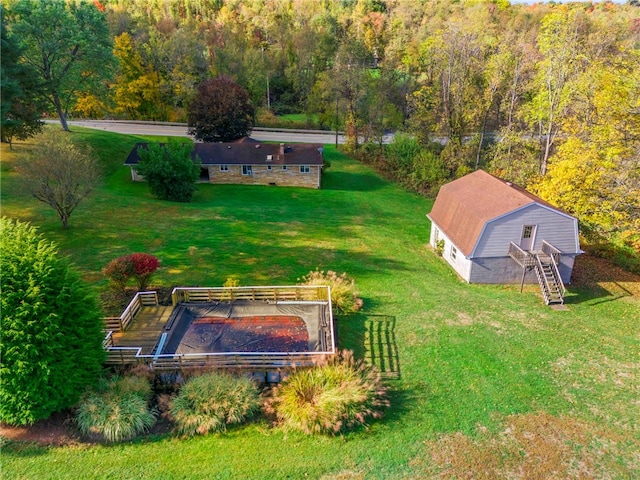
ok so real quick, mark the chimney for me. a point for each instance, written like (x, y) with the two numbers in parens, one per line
(282, 149)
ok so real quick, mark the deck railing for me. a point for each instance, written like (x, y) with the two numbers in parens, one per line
(522, 258)
(552, 251)
(268, 294)
(141, 299)
(248, 360)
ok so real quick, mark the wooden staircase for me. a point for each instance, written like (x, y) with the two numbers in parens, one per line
(545, 264)
(549, 279)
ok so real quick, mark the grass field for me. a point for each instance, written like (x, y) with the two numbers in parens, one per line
(491, 382)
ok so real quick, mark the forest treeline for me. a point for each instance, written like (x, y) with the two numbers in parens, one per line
(545, 95)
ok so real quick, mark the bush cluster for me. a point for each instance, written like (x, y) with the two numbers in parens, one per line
(137, 266)
(331, 398)
(344, 297)
(117, 410)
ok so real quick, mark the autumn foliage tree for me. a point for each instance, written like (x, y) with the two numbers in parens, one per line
(222, 111)
(137, 266)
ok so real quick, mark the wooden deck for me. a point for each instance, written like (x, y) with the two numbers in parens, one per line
(145, 330)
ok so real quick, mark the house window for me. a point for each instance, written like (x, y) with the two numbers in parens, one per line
(305, 169)
(454, 252)
(527, 232)
(224, 168)
(268, 167)
(247, 170)
(284, 167)
(436, 235)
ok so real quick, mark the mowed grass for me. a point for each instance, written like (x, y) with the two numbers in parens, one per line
(491, 382)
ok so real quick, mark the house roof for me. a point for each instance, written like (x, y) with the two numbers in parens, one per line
(248, 152)
(464, 206)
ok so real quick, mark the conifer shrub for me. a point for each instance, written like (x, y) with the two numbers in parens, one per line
(329, 399)
(51, 324)
(209, 402)
(117, 410)
(344, 296)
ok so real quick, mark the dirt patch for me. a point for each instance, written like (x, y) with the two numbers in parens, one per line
(57, 430)
(60, 430)
(534, 446)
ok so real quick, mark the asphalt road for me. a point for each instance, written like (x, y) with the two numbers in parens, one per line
(180, 130)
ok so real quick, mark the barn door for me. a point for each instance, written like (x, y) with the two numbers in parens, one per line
(528, 237)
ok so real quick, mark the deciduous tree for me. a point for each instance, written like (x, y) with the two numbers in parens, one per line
(59, 173)
(68, 45)
(170, 170)
(221, 112)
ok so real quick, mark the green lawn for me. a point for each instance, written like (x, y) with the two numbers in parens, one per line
(490, 380)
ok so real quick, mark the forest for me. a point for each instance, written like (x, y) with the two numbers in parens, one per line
(545, 95)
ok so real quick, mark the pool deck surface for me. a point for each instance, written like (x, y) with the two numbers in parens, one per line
(145, 329)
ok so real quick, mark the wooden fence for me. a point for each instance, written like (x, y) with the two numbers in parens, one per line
(268, 294)
(257, 361)
(141, 299)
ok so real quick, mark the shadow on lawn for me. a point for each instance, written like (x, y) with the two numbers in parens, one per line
(359, 182)
(372, 338)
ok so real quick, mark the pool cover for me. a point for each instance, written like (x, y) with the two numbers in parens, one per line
(244, 327)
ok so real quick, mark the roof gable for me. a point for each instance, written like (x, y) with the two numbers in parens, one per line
(464, 206)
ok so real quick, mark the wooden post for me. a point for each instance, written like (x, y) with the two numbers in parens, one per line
(524, 271)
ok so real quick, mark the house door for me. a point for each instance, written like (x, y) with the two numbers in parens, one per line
(528, 237)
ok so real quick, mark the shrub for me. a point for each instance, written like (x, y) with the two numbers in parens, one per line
(329, 399)
(118, 411)
(344, 296)
(210, 402)
(51, 327)
(144, 266)
(139, 266)
(119, 271)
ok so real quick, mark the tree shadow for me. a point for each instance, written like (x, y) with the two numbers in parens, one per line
(347, 181)
(372, 338)
(596, 281)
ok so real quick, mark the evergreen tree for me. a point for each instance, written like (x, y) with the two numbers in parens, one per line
(169, 170)
(51, 347)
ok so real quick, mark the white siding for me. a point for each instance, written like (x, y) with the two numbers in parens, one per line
(554, 227)
(460, 264)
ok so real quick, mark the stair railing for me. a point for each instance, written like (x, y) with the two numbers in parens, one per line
(542, 280)
(555, 254)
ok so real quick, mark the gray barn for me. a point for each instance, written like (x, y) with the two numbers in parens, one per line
(492, 231)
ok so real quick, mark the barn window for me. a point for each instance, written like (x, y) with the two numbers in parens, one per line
(247, 170)
(305, 169)
(454, 252)
(224, 168)
(268, 167)
(284, 167)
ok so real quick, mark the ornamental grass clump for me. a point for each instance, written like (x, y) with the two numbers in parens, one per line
(210, 402)
(344, 297)
(118, 410)
(329, 399)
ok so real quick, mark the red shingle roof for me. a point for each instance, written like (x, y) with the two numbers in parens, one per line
(464, 206)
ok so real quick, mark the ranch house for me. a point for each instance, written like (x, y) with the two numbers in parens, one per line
(492, 231)
(250, 162)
